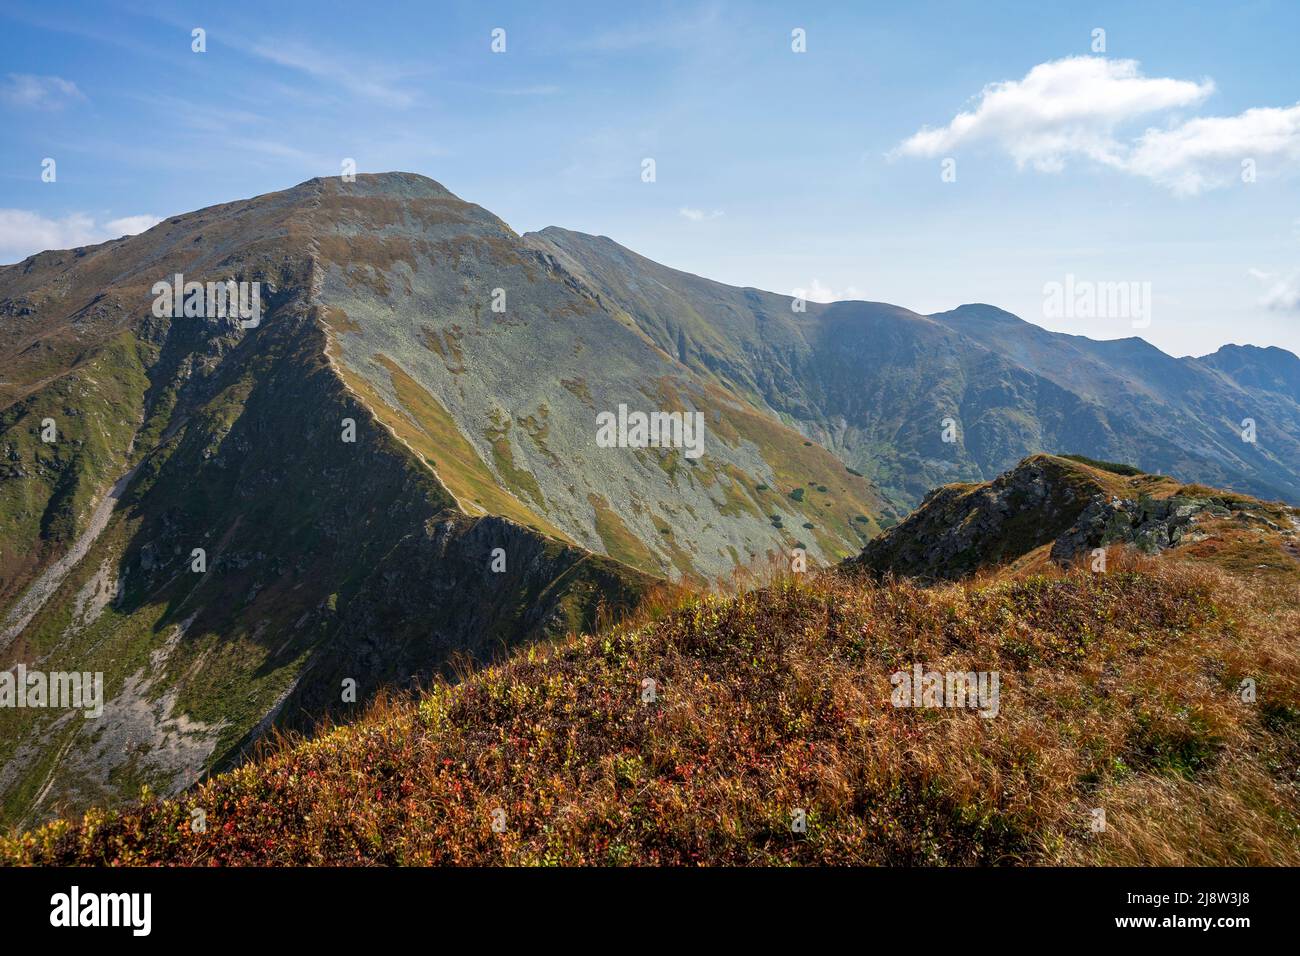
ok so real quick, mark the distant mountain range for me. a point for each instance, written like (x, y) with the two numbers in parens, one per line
(394, 466)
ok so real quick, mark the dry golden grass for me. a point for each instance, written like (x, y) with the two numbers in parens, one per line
(1118, 691)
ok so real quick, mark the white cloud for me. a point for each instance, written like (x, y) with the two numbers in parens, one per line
(1282, 293)
(1207, 152)
(1060, 108)
(23, 233)
(822, 293)
(39, 92)
(1080, 107)
(130, 225)
(698, 215)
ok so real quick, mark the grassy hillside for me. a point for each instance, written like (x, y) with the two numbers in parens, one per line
(1119, 691)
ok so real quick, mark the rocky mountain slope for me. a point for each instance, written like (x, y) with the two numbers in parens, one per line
(875, 383)
(1183, 416)
(325, 561)
(1147, 714)
(491, 358)
(397, 468)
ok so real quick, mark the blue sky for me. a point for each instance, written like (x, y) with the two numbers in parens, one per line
(774, 169)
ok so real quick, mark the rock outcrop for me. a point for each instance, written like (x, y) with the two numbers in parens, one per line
(1062, 507)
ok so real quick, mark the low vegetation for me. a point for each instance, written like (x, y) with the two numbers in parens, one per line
(1119, 691)
(1114, 467)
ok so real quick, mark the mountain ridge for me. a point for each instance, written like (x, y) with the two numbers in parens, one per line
(375, 560)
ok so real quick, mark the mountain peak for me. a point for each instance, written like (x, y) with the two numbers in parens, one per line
(981, 310)
(1270, 369)
(572, 239)
(1272, 352)
(413, 185)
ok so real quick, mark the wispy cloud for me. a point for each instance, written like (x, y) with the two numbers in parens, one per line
(1282, 292)
(23, 232)
(698, 215)
(671, 33)
(107, 29)
(373, 81)
(1079, 107)
(541, 89)
(28, 91)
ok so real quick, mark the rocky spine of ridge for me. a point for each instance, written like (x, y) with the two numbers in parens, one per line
(1154, 525)
(1060, 509)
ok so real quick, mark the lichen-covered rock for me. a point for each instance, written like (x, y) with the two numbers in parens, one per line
(959, 528)
(1150, 525)
(1071, 505)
